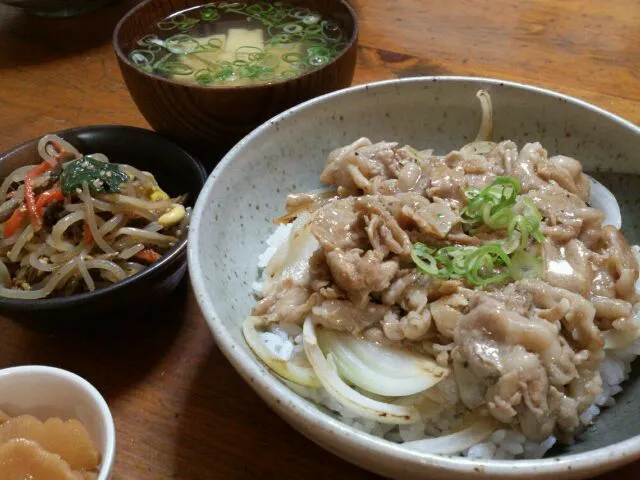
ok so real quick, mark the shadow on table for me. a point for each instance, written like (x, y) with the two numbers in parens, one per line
(113, 357)
(28, 40)
(226, 431)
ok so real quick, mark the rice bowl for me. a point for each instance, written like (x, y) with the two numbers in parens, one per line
(359, 102)
(340, 273)
(501, 444)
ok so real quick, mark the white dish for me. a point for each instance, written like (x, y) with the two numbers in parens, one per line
(233, 218)
(46, 392)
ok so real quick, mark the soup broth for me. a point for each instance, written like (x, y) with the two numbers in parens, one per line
(239, 44)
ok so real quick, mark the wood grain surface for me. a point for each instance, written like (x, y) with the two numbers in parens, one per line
(181, 411)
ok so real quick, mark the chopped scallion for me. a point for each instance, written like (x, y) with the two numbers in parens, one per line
(478, 266)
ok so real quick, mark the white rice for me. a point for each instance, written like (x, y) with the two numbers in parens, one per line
(276, 239)
(504, 444)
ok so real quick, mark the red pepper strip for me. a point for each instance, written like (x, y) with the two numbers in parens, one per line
(86, 233)
(58, 148)
(46, 198)
(29, 196)
(35, 207)
(148, 255)
(14, 222)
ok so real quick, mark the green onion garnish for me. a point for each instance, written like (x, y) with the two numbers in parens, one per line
(423, 258)
(205, 77)
(293, 57)
(182, 37)
(209, 14)
(526, 265)
(174, 68)
(496, 206)
(488, 264)
(478, 266)
(486, 205)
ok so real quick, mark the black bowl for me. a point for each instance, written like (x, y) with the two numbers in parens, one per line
(176, 171)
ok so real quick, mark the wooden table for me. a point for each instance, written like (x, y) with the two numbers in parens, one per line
(181, 411)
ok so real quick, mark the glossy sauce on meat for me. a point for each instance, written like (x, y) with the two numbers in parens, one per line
(525, 351)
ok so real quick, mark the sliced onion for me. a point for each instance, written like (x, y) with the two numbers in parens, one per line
(428, 403)
(478, 148)
(380, 369)
(602, 199)
(617, 339)
(486, 125)
(456, 442)
(511, 244)
(300, 374)
(326, 370)
(291, 259)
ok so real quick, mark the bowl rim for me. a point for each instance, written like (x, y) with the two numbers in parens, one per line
(274, 391)
(108, 456)
(224, 88)
(156, 268)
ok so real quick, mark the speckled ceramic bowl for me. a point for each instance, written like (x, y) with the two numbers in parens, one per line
(247, 190)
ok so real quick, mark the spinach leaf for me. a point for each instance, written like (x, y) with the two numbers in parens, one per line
(100, 176)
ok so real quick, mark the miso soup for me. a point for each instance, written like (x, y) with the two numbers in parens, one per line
(239, 43)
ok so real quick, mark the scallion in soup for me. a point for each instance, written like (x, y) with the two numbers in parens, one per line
(239, 43)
